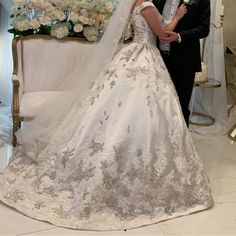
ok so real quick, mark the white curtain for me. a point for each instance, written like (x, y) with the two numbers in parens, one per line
(213, 102)
(5, 52)
(5, 71)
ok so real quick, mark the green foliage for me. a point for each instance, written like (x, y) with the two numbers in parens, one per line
(23, 33)
(44, 30)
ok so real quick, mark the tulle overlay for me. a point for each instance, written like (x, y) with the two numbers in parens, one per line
(122, 160)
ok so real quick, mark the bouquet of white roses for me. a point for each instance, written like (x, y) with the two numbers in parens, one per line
(61, 18)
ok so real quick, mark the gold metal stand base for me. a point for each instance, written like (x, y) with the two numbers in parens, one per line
(232, 133)
(206, 119)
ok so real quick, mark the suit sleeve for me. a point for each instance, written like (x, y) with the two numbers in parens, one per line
(203, 27)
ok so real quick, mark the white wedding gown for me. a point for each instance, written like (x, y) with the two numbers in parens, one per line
(124, 159)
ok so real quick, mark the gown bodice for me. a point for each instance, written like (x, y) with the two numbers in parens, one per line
(142, 31)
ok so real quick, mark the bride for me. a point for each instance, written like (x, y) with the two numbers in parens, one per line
(115, 153)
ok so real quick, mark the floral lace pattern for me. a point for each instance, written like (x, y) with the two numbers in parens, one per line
(123, 160)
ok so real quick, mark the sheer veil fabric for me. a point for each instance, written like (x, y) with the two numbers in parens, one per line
(34, 136)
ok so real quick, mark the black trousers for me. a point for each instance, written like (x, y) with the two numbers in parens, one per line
(183, 80)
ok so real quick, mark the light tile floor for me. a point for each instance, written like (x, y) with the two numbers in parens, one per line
(219, 157)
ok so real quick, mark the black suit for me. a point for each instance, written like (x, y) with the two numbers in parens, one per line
(184, 58)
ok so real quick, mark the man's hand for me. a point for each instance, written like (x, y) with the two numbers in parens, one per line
(169, 37)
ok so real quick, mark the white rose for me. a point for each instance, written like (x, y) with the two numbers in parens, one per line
(34, 24)
(74, 17)
(78, 28)
(84, 12)
(91, 33)
(56, 15)
(47, 6)
(84, 20)
(60, 15)
(60, 31)
(45, 20)
(109, 7)
(21, 24)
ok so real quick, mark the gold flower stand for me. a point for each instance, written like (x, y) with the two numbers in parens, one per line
(198, 118)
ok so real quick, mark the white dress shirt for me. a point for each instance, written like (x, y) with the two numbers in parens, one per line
(168, 14)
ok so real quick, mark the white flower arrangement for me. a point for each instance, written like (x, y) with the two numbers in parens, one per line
(61, 18)
(188, 2)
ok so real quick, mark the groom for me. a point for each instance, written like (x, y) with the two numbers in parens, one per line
(182, 57)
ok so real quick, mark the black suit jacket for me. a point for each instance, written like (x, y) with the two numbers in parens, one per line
(192, 27)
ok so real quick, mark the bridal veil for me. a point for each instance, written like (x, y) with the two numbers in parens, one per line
(35, 136)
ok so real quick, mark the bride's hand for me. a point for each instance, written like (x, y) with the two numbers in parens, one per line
(181, 11)
(169, 37)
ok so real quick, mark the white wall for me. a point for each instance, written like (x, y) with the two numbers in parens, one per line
(5, 53)
(230, 22)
